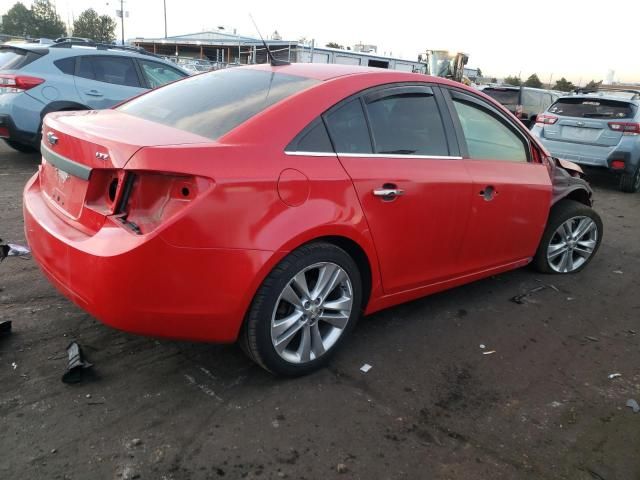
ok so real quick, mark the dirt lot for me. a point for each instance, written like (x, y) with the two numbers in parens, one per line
(433, 406)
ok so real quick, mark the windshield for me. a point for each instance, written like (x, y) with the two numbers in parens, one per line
(592, 108)
(503, 95)
(212, 104)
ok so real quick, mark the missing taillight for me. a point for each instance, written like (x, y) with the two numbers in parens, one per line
(185, 192)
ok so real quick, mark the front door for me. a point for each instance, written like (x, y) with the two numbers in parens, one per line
(414, 190)
(511, 189)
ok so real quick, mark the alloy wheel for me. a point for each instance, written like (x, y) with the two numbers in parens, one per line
(311, 312)
(572, 244)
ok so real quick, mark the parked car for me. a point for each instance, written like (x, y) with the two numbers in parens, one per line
(598, 130)
(36, 79)
(524, 102)
(274, 205)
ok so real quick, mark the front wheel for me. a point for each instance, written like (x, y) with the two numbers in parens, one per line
(570, 240)
(304, 310)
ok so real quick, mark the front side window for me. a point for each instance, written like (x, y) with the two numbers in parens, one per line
(158, 74)
(212, 104)
(348, 128)
(487, 137)
(407, 124)
(109, 69)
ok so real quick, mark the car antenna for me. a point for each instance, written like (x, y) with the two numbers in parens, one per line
(274, 62)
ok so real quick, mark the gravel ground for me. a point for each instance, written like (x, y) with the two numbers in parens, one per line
(433, 406)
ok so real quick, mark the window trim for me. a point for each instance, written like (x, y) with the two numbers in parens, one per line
(469, 98)
(81, 58)
(378, 92)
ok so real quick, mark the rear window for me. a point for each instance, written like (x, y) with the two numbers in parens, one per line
(592, 108)
(15, 58)
(505, 97)
(212, 104)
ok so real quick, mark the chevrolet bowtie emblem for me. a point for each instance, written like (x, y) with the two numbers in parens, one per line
(52, 138)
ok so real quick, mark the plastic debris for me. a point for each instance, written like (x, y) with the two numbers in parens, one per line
(12, 250)
(619, 272)
(483, 346)
(522, 298)
(614, 375)
(5, 328)
(633, 404)
(591, 339)
(14, 365)
(365, 368)
(490, 352)
(77, 364)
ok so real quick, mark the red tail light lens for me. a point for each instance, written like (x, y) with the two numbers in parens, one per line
(4, 132)
(617, 164)
(627, 128)
(18, 83)
(546, 119)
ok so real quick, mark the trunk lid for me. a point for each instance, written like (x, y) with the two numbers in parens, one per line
(83, 154)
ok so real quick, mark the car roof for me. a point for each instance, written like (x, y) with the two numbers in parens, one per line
(592, 96)
(71, 49)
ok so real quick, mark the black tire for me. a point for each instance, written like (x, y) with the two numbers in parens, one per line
(630, 182)
(561, 212)
(256, 336)
(21, 147)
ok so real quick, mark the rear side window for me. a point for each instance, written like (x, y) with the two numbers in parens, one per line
(407, 124)
(314, 139)
(592, 108)
(66, 65)
(109, 69)
(158, 74)
(504, 96)
(212, 104)
(487, 137)
(348, 128)
(16, 58)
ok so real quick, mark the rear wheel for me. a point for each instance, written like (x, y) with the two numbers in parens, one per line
(571, 239)
(21, 147)
(630, 182)
(304, 310)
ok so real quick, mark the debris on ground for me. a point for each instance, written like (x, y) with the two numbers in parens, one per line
(591, 339)
(5, 328)
(483, 346)
(12, 250)
(490, 352)
(522, 298)
(342, 468)
(365, 368)
(614, 375)
(619, 272)
(77, 366)
(14, 365)
(633, 404)
(632, 332)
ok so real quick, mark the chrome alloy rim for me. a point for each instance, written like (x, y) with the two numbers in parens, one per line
(311, 313)
(572, 244)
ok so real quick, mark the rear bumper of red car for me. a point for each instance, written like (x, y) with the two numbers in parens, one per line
(140, 283)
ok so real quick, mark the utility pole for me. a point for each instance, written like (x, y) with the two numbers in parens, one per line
(165, 18)
(122, 19)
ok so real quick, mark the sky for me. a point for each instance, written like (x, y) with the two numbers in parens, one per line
(580, 40)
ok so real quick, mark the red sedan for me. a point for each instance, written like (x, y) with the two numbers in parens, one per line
(274, 205)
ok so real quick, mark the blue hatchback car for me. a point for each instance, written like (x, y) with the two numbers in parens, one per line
(36, 79)
(600, 129)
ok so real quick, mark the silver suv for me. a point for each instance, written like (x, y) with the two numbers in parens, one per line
(599, 130)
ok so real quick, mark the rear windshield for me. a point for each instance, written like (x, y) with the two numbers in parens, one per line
(15, 58)
(213, 104)
(505, 97)
(592, 108)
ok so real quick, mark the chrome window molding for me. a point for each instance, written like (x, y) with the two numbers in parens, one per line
(374, 155)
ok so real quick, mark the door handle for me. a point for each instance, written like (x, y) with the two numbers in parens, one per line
(488, 193)
(94, 93)
(388, 192)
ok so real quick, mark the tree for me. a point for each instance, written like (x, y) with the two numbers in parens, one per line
(479, 72)
(533, 81)
(100, 28)
(334, 45)
(564, 85)
(18, 21)
(47, 22)
(593, 85)
(512, 80)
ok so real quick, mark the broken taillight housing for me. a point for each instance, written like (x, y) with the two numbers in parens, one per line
(546, 119)
(627, 128)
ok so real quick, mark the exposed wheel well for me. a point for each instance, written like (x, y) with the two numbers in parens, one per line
(360, 257)
(579, 195)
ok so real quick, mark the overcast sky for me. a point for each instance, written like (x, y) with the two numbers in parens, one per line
(580, 40)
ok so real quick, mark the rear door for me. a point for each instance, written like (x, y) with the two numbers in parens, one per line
(585, 120)
(412, 185)
(103, 81)
(511, 190)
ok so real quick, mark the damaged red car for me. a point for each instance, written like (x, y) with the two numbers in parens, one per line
(273, 205)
